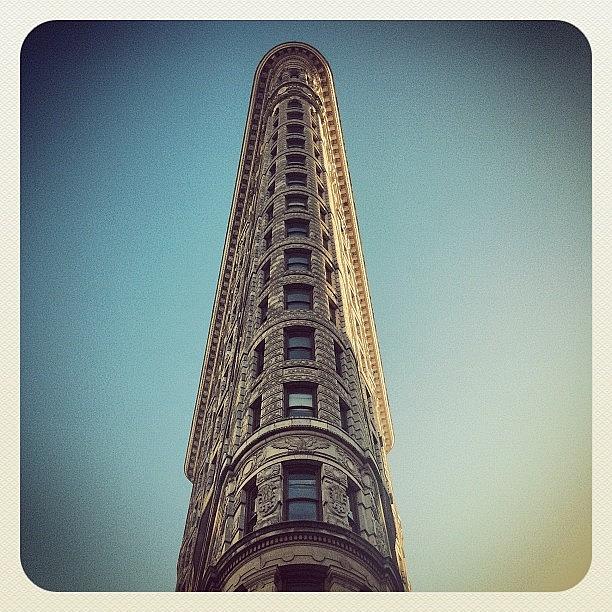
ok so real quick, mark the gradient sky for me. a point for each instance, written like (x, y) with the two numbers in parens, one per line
(469, 150)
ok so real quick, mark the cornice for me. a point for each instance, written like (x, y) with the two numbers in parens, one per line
(245, 189)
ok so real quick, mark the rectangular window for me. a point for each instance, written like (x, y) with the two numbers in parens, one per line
(272, 170)
(323, 214)
(250, 504)
(344, 412)
(295, 115)
(294, 104)
(265, 269)
(298, 297)
(273, 152)
(329, 274)
(271, 188)
(275, 137)
(296, 179)
(296, 143)
(297, 259)
(296, 159)
(275, 124)
(259, 358)
(299, 343)
(301, 578)
(325, 240)
(353, 515)
(296, 200)
(267, 240)
(300, 400)
(263, 310)
(295, 128)
(333, 312)
(269, 213)
(296, 227)
(338, 358)
(321, 190)
(302, 492)
(255, 410)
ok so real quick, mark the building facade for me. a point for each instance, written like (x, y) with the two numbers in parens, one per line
(287, 450)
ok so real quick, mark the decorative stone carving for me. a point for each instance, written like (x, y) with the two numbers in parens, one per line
(256, 459)
(338, 499)
(267, 499)
(300, 443)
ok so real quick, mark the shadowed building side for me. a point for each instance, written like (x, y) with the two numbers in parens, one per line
(287, 450)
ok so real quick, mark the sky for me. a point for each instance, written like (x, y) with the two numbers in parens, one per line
(468, 145)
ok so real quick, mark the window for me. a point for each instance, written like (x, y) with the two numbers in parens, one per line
(333, 312)
(294, 104)
(255, 412)
(269, 213)
(300, 400)
(265, 269)
(329, 274)
(338, 358)
(353, 515)
(317, 153)
(267, 239)
(250, 513)
(296, 158)
(299, 343)
(296, 178)
(259, 358)
(271, 188)
(296, 227)
(319, 171)
(323, 214)
(275, 112)
(302, 492)
(296, 200)
(344, 412)
(321, 190)
(275, 137)
(301, 578)
(263, 310)
(297, 259)
(294, 73)
(298, 297)
(299, 143)
(275, 124)
(273, 152)
(295, 128)
(272, 170)
(325, 240)
(295, 115)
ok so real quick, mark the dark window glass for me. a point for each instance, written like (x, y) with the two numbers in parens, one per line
(259, 358)
(269, 213)
(296, 179)
(300, 400)
(266, 271)
(299, 343)
(301, 578)
(325, 240)
(275, 137)
(294, 73)
(296, 158)
(272, 170)
(295, 115)
(275, 112)
(296, 200)
(297, 259)
(344, 409)
(302, 493)
(294, 104)
(298, 297)
(275, 124)
(271, 188)
(353, 515)
(338, 357)
(263, 310)
(250, 514)
(299, 143)
(296, 227)
(255, 409)
(320, 190)
(333, 312)
(295, 128)
(329, 274)
(273, 152)
(268, 240)
(323, 214)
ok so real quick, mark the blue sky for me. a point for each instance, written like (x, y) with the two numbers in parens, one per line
(469, 150)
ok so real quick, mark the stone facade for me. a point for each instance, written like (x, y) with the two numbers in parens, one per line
(287, 452)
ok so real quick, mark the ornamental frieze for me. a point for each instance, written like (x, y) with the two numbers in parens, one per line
(300, 443)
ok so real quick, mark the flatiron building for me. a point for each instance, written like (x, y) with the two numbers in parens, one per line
(288, 443)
